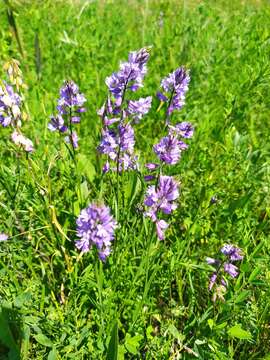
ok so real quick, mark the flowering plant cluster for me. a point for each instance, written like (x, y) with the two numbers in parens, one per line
(10, 107)
(95, 224)
(225, 266)
(118, 113)
(70, 106)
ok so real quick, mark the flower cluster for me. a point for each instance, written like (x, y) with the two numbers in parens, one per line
(118, 145)
(10, 115)
(95, 227)
(117, 136)
(130, 75)
(170, 147)
(9, 106)
(174, 87)
(161, 199)
(223, 267)
(70, 106)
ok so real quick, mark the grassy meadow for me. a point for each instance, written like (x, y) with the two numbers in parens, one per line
(150, 299)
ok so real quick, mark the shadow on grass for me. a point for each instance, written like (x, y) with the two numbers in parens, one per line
(10, 333)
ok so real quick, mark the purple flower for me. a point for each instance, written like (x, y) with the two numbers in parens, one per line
(119, 147)
(126, 162)
(175, 85)
(70, 106)
(9, 105)
(161, 96)
(212, 261)
(139, 57)
(106, 167)
(168, 150)
(140, 107)
(233, 252)
(57, 123)
(70, 98)
(95, 227)
(149, 177)
(161, 198)
(151, 166)
(3, 237)
(231, 269)
(108, 144)
(130, 75)
(184, 129)
(126, 138)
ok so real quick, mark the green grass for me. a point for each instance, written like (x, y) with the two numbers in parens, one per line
(150, 300)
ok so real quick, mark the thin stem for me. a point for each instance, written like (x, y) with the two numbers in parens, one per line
(167, 121)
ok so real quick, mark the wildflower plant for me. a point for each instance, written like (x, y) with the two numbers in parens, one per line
(70, 107)
(161, 197)
(11, 102)
(219, 280)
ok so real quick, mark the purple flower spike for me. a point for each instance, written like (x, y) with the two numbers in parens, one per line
(95, 227)
(70, 98)
(233, 252)
(231, 269)
(175, 85)
(130, 76)
(119, 147)
(70, 106)
(57, 123)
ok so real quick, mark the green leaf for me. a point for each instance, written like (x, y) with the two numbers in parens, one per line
(86, 167)
(242, 296)
(52, 354)
(238, 332)
(112, 353)
(43, 340)
(175, 333)
(254, 274)
(210, 323)
(121, 352)
(132, 343)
